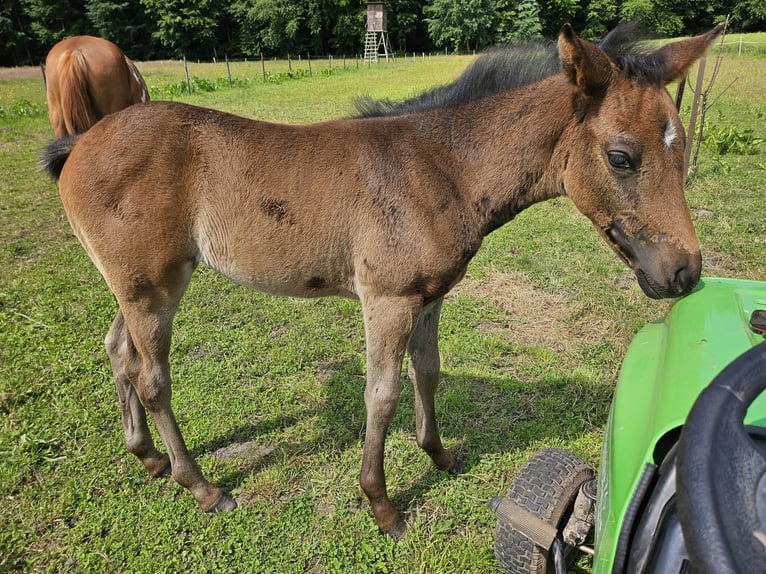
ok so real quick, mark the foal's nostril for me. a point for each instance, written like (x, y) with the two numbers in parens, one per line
(681, 279)
(685, 277)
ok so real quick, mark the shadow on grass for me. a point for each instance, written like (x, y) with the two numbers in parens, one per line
(477, 416)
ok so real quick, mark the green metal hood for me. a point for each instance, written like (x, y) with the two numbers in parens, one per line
(667, 365)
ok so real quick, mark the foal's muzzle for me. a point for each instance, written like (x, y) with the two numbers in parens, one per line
(663, 269)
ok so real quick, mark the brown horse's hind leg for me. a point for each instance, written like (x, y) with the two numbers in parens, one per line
(423, 370)
(388, 325)
(148, 314)
(125, 359)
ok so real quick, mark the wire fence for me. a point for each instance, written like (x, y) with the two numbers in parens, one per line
(743, 47)
(240, 72)
(276, 70)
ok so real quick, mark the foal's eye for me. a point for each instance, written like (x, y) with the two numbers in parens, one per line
(619, 160)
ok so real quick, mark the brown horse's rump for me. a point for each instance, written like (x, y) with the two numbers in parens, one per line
(86, 79)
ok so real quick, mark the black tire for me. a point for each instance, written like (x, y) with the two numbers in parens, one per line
(547, 486)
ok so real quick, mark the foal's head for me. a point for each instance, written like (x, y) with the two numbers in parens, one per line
(626, 172)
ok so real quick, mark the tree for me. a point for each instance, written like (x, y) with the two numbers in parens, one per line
(469, 24)
(269, 25)
(126, 24)
(347, 29)
(666, 17)
(555, 13)
(600, 17)
(406, 29)
(187, 27)
(749, 15)
(54, 20)
(526, 22)
(292, 26)
(335, 25)
(16, 43)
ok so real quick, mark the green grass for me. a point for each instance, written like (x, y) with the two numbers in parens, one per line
(531, 346)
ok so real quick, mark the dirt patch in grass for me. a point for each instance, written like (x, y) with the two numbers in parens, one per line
(535, 317)
(249, 452)
(20, 73)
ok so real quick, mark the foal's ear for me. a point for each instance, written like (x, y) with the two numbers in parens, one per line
(680, 55)
(585, 64)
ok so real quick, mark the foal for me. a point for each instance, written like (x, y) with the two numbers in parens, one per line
(308, 211)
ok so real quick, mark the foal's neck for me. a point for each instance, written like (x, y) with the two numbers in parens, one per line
(506, 149)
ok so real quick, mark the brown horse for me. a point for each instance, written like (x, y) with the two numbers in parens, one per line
(388, 208)
(87, 78)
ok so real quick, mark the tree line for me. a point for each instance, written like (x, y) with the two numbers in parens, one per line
(207, 29)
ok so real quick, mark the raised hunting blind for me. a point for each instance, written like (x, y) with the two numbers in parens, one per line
(377, 33)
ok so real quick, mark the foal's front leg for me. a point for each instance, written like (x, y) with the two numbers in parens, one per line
(388, 324)
(424, 370)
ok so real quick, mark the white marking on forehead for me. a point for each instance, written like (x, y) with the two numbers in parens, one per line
(670, 134)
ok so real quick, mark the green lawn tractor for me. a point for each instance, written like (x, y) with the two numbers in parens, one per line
(682, 477)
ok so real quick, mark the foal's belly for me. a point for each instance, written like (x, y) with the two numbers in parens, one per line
(307, 270)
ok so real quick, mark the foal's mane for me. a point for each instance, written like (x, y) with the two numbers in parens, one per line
(506, 67)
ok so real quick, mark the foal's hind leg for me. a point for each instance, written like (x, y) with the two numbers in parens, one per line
(148, 313)
(423, 370)
(126, 363)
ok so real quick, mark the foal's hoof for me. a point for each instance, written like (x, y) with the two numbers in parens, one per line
(457, 468)
(160, 468)
(223, 504)
(397, 531)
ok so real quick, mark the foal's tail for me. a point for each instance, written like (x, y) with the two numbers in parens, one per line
(56, 153)
(76, 105)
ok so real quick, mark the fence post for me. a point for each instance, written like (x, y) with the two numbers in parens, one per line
(186, 73)
(263, 67)
(228, 69)
(308, 57)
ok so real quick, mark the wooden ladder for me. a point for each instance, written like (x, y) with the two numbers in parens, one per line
(371, 45)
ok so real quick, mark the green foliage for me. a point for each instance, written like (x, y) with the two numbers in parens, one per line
(658, 16)
(461, 24)
(555, 13)
(154, 29)
(23, 108)
(522, 23)
(731, 139)
(201, 85)
(183, 23)
(53, 20)
(196, 84)
(293, 27)
(127, 24)
(269, 24)
(600, 17)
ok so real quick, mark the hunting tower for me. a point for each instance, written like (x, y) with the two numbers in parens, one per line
(377, 34)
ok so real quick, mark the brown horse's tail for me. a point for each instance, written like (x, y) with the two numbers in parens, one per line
(76, 104)
(56, 153)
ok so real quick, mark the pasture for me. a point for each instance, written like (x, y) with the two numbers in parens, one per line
(269, 392)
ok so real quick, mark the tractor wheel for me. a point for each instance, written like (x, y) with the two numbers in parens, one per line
(547, 486)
